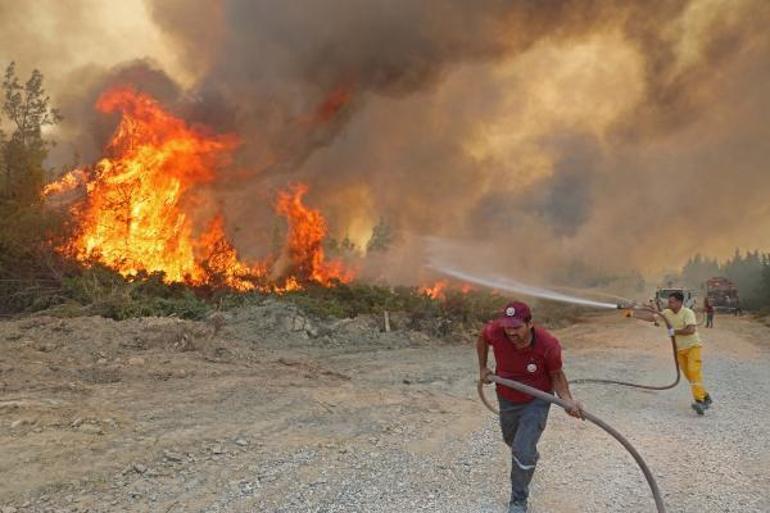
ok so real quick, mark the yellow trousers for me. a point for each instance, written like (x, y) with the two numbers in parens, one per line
(690, 363)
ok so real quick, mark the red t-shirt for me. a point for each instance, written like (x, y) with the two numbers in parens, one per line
(531, 366)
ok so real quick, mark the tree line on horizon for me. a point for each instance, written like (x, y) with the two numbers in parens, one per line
(750, 272)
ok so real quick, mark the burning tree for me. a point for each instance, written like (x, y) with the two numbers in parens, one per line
(307, 231)
(134, 216)
(136, 213)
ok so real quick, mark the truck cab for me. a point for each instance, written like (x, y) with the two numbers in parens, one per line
(722, 294)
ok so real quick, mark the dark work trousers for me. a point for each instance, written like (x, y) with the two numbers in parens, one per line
(522, 424)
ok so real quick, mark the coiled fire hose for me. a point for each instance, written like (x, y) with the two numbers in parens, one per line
(661, 508)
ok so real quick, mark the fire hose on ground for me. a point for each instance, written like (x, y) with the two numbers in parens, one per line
(661, 508)
(636, 385)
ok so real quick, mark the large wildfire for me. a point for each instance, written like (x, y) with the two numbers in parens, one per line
(536, 123)
(137, 211)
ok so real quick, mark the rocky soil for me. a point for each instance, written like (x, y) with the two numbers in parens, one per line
(264, 409)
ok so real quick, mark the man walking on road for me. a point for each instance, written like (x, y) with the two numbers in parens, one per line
(531, 355)
(688, 345)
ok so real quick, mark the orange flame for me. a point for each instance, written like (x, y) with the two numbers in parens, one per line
(66, 183)
(439, 289)
(333, 104)
(436, 291)
(136, 212)
(307, 230)
(134, 217)
(221, 262)
(465, 288)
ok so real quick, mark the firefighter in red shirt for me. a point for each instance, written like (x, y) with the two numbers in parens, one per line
(531, 355)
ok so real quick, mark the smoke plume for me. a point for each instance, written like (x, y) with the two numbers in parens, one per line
(621, 135)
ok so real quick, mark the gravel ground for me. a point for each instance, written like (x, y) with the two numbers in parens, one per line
(405, 433)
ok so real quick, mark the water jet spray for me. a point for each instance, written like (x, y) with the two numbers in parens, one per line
(502, 283)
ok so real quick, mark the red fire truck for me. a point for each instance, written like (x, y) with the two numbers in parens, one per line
(722, 294)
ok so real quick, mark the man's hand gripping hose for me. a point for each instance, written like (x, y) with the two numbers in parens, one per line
(568, 405)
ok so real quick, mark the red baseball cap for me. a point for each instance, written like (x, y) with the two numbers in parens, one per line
(514, 315)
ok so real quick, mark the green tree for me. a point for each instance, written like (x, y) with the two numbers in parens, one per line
(745, 271)
(340, 248)
(382, 237)
(763, 296)
(698, 269)
(27, 110)
(750, 272)
(29, 268)
(347, 245)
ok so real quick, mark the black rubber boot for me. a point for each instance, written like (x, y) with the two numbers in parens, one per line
(699, 407)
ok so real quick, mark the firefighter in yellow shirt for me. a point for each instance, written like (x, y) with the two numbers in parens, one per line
(688, 345)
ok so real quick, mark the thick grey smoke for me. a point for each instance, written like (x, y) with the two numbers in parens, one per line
(423, 79)
(620, 135)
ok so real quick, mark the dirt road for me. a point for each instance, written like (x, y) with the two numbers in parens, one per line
(277, 413)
